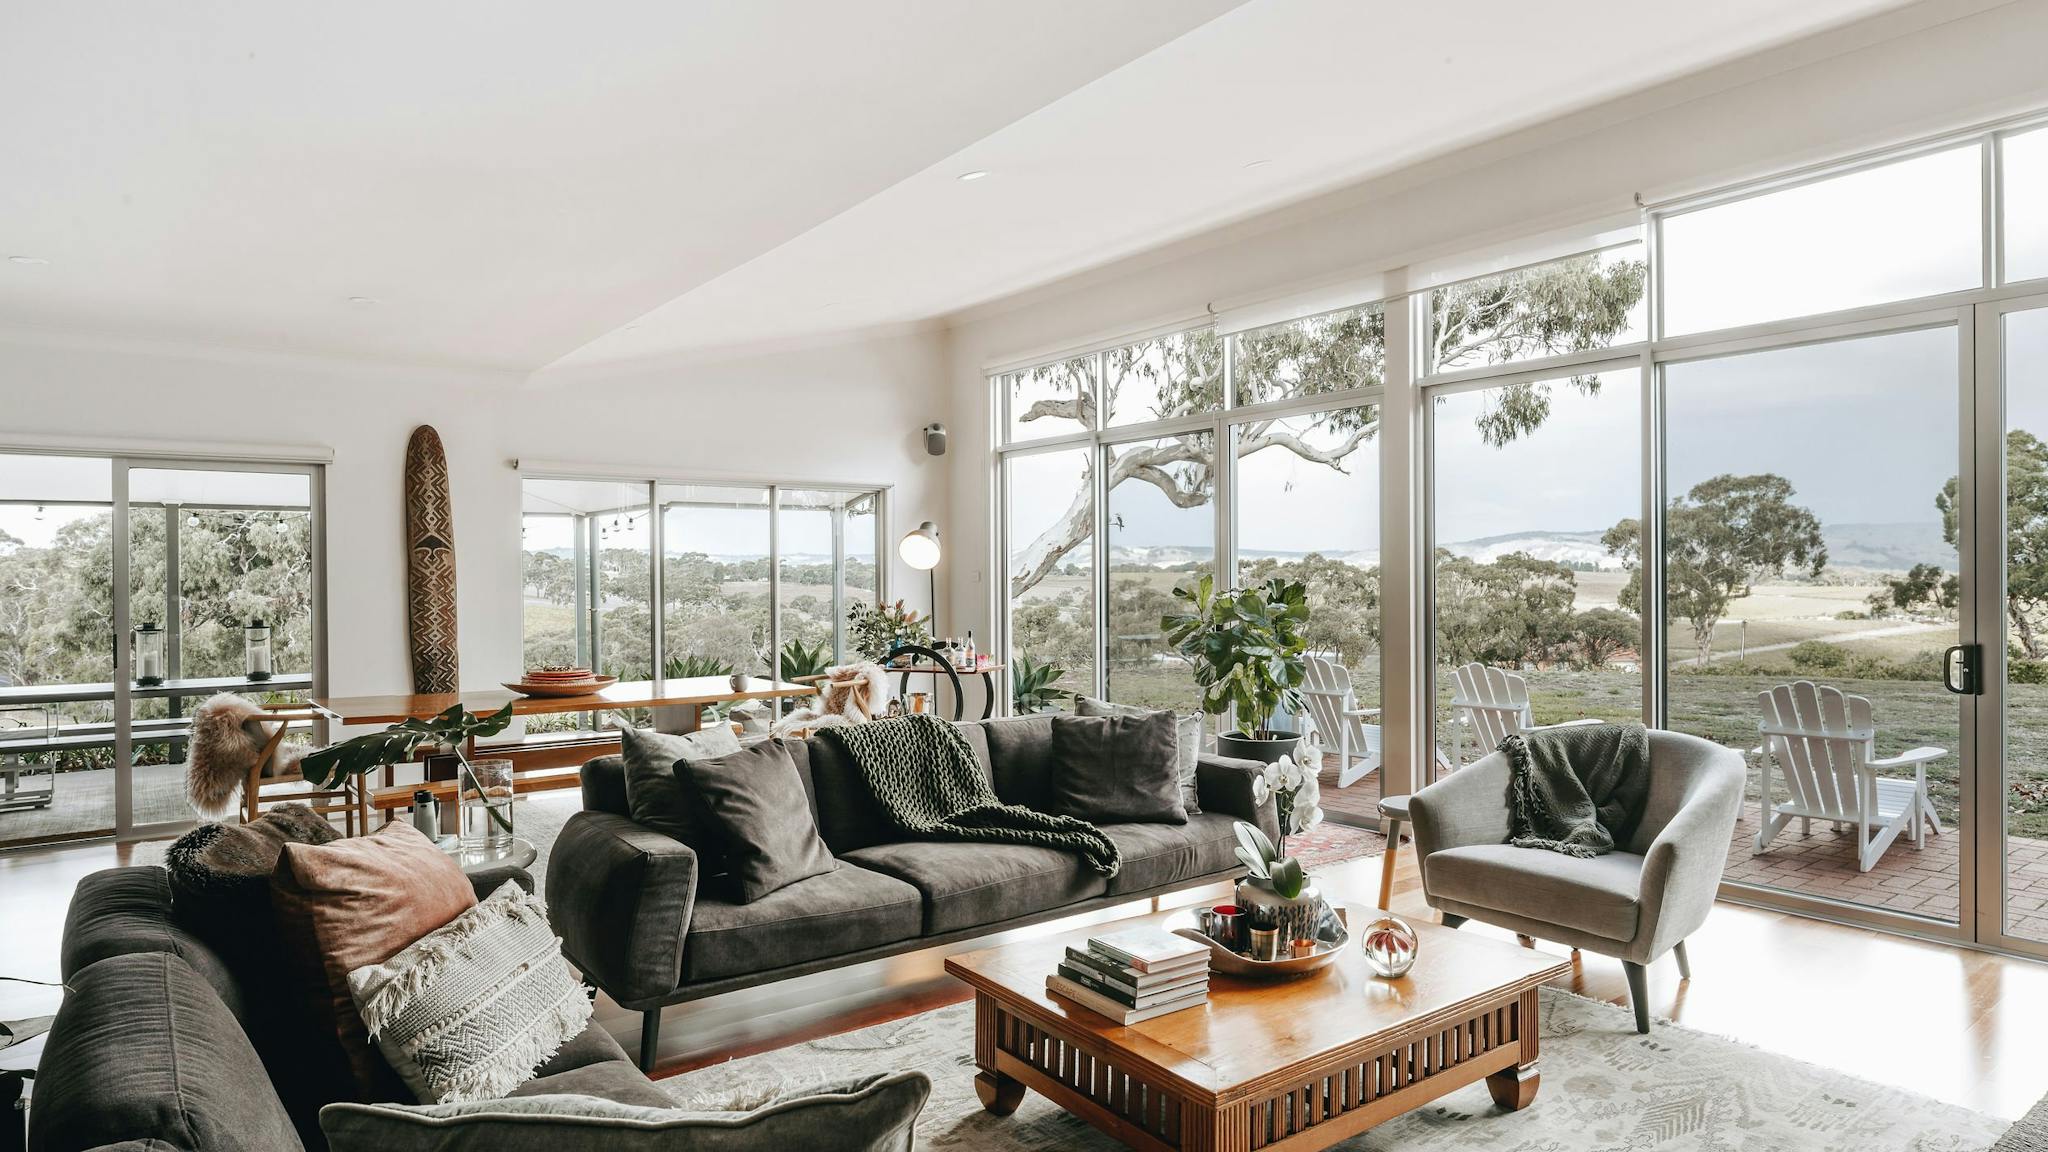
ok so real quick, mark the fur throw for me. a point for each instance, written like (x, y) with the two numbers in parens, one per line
(852, 694)
(228, 735)
(221, 856)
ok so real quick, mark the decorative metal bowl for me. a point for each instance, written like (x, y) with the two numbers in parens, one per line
(1330, 936)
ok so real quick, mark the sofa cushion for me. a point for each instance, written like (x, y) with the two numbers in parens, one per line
(660, 794)
(1020, 759)
(1116, 769)
(848, 817)
(354, 902)
(603, 782)
(844, 910)
(969, 885)
(143, 1050)
(121, 911)
(763, 819)
(1596, 895)
(1187, 742)
(593, 1064)
(876, 1114)
(1157, 855)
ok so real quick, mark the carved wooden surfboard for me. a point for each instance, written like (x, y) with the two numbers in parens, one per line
(430, 564)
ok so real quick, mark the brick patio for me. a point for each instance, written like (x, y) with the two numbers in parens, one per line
(1923, 882)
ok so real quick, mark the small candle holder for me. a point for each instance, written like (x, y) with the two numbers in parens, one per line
(147, 648)
(256, 650)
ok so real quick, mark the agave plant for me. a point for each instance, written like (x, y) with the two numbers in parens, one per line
(694, 664)
(798, 661)
(1283, 874)
(1032, 685)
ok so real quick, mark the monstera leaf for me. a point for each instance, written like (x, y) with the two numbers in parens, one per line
(335, 763)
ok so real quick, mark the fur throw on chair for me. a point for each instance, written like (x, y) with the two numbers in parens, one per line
(228, 736)
(849, 694)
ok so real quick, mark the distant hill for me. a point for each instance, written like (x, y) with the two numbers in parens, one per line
(1577, 549)
(1887, 547)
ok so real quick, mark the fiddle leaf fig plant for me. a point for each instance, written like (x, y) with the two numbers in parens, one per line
(1246, 646)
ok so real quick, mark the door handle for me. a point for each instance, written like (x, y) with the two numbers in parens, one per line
(1961, 668)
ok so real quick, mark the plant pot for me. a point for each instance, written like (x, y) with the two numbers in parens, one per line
(1266, 748)
(1297, 919)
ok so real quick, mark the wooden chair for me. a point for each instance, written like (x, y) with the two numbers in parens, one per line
(1494, 704)
(351, 800)
(1823, 743)
(1327, 694)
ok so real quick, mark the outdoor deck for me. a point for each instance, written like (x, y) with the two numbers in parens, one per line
(1823, 865)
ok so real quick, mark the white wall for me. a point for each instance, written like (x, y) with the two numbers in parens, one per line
(1930, 68)
(839, 412)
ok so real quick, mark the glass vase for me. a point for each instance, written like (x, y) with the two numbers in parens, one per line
(487, 805)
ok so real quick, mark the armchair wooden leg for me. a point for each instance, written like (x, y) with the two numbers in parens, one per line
(1684, 964)
(650, 1037)
(1639, 994)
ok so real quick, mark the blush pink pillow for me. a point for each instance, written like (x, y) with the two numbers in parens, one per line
(354, 902)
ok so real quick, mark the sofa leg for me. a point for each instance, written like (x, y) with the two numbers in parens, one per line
(1453, 920)
(1639, 994)
(1684, 964)
(650, 1037)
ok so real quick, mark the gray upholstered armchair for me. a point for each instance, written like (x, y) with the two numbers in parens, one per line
(1636, 904)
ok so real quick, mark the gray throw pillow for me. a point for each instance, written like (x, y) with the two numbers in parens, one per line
(757, 800)
(1187, 742)
(878, 1114)
(1116, 769)
(658, 796)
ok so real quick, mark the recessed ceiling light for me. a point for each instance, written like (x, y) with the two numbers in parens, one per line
(362, 300)
(27, 260)
(977, 174)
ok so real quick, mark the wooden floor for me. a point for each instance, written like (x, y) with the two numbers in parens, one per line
(1959, 1025)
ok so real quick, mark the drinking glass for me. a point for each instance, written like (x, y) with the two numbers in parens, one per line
(487, 807)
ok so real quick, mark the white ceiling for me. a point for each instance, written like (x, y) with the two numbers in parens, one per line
(523, 183)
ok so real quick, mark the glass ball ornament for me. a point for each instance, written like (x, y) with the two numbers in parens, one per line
(1390, 945)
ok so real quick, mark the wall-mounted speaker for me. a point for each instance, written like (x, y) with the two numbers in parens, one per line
(935, 438)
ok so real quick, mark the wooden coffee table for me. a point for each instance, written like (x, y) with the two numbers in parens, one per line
(1295, 1064)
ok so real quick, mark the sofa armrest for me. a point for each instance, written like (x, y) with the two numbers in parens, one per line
(1465, 808)
(620, 897)
(1682, 869)
(1224, 786)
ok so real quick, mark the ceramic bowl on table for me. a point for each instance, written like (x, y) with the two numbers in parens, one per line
(561, 687)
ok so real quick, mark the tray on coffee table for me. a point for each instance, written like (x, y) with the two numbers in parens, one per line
(1311, 1061)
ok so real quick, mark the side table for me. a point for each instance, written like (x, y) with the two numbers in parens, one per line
(517, 853)
(1394, 810)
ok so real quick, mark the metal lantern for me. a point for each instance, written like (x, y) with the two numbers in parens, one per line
(256, 645)
(147, 649)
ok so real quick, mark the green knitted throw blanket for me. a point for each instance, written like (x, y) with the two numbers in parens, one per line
(1578, 789)
(923, 774)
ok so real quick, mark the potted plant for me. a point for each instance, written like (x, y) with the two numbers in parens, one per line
(1246, 646)
(1276, 888)
(454, 729)
(1034, 687)
(875, 630)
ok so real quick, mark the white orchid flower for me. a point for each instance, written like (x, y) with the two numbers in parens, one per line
(1307, 817)
(1260, 790)
(1290, 776)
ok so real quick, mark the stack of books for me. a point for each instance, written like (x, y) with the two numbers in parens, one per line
(1134, 974)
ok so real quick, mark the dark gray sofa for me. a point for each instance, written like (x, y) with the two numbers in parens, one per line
(634, 918)
(156, 1044)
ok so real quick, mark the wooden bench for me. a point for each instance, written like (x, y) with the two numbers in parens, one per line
(540, 763)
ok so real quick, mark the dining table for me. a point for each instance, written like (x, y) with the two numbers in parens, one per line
(676, 704)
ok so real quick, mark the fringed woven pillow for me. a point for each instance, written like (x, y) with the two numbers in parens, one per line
(470, 1010)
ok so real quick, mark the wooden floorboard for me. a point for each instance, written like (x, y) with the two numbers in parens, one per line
(1960, 1025)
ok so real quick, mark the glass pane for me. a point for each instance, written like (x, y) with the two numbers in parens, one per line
(2025, 159)
(555, 591)
(1829, 558)
(816, 531)
(1307, 508)
(56, 628)
(1889, 233)
(714, 578)
(1162, 535)
(605, 524)
(1172, 376)
(1050, 523)
(1572, 305)
(864, 546)
(1532, 484)
(1328, 353)
(1052, 399)
(2026, 610)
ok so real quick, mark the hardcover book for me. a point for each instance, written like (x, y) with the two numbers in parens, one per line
(1103, 1005)
(1147, 949)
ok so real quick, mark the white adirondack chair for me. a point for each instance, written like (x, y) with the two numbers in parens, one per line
(1822, 743)
(1327, 695)
(1494, 704)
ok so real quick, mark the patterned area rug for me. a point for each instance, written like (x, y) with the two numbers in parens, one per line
(1605, 1089)
(1333, 843)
